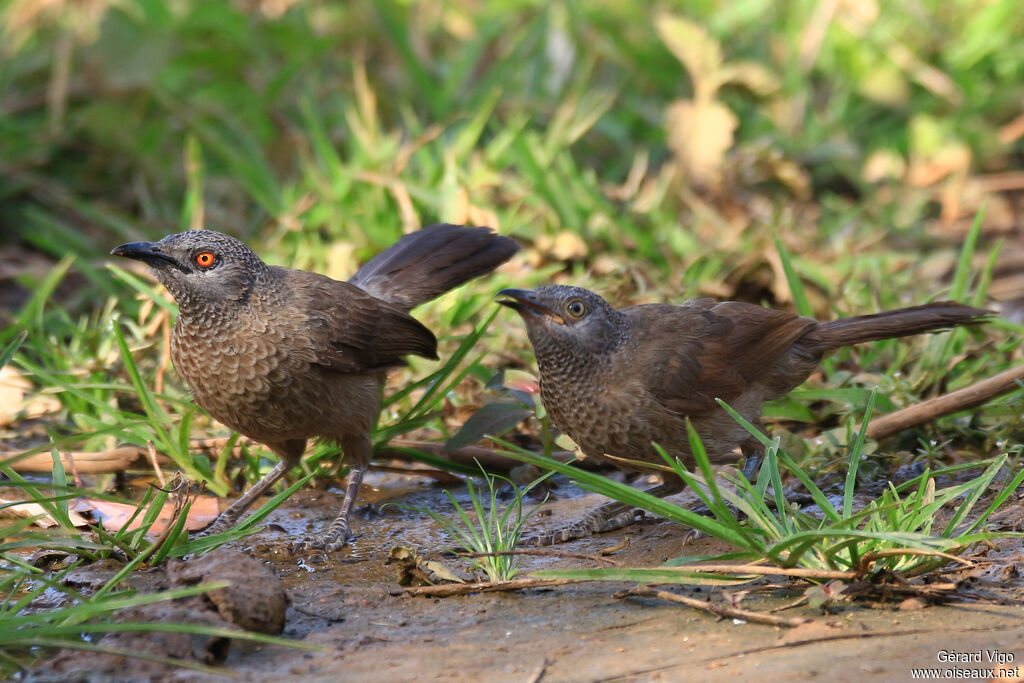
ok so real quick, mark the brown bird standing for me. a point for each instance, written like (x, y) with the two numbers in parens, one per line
(617, 380)
(285, 355)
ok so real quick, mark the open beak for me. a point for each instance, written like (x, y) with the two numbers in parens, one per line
(525, 302)
(147, 252)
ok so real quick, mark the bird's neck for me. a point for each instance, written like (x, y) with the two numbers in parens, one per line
(564, 363)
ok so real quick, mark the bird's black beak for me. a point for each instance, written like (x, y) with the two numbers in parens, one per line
(147, 252)
(525, 302)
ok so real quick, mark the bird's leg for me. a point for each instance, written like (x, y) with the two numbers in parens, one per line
(229, 517)
(358, 453)
(752, 462)
(338, 533)
(753, 453)
(607, 517)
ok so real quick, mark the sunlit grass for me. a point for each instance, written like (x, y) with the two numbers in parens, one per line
(902, 531)
(488, 526)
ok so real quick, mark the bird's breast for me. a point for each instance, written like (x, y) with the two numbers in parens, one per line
(236, 367)
(600, 413)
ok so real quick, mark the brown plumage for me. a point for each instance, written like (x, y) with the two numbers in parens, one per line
(284, 355)
(617, 380)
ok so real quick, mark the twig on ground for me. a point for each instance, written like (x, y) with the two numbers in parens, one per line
(447, 589)
(954, 401)
(718, 609)
(767, 570)
(543, 552)
(538, 673)
(151, 452)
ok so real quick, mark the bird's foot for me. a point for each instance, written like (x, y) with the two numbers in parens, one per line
(334, 539)
(219, 526)
(594, 523)
(752, 465)
(692, 535)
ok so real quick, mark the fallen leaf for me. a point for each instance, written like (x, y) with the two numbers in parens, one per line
(44, 519)
(913, 603)
(699, 133)
(565, 246)
(883, 164)
(83, 462)
(753, 76)
(113, 515)
(12, 393)
(699, 52)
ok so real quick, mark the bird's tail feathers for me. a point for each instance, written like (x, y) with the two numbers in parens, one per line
(427, 263)
(901, 322)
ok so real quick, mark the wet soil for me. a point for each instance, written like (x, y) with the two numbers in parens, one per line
(351, 605)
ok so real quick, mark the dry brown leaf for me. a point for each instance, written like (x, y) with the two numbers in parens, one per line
(883, 164)
(699, 134)
(13, 386)
(565, 246)
(341, 260)
(755, 77)
(913, 603)
(44, 520)
(926, 170)
(478, 215)
(699, 52)
(114, 515)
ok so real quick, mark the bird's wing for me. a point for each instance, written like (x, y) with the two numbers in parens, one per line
(692, 354)
(427, 263)
(352, 331)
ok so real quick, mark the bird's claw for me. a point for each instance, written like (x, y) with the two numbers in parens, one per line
(327, 543)
(692, 535)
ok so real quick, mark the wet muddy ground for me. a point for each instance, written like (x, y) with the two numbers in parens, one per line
(351, 605)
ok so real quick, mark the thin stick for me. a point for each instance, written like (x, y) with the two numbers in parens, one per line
(718, 609)
(953, 402)
(151, 452)
(71, 465)
(445, 590)
(795, 572)
(543, 552)
(539, 672)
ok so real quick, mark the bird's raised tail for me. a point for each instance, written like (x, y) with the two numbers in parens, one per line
(902, 322)
(427, 263)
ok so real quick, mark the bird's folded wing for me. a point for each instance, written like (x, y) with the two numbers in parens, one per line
(352, 331)
(692, 354)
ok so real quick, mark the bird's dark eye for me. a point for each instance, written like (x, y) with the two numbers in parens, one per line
(205, 259)
(576, 309)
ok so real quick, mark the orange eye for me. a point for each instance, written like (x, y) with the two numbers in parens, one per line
(205, 259)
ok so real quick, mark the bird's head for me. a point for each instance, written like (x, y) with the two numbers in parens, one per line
(567, 320)
(200, 268)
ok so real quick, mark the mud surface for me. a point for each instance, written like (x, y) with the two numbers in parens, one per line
(351, 605)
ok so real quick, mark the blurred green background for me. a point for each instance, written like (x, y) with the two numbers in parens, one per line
(607, 135)
(647, 151)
